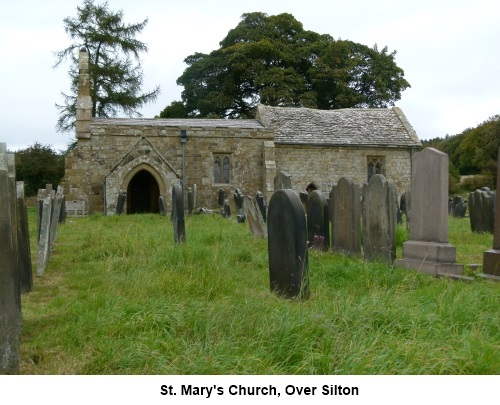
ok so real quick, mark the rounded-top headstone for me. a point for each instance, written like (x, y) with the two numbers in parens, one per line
(287, 245)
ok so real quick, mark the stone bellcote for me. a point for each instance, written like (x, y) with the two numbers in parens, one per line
(83, 100)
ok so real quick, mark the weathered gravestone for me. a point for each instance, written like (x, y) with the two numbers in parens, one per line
(345, 206)
(253, 214)
(282, 181)
(304, 196)
(491, 258)
(226, 209)
(261, 202)
(161, 206)
(190, 201)
(380, 202)
(428, 249)
(10, 294)
(43, 252)
(238, 201)
(23, 241)
(120, 205)
(482, 210)
(221, 197)
(318, 221)
(458, 207)
(55, 214)
(287, 245)
(177, 215)
(194, 191)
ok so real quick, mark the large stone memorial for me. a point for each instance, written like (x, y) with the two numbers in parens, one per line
(178, 214)
(287, 245)
(491, 258)
(428, 249)
(345, 206)
(318, 221)
(380, 205)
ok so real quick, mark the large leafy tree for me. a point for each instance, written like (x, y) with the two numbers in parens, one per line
(114, 65)
(274, 61)
(39, 165)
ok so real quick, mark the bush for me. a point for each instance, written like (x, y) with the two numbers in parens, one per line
(473, 183)
(37, 166)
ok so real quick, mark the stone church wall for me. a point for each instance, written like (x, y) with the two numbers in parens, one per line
(326, 165)
(95, 160)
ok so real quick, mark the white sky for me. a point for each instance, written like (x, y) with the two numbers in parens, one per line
(448, 49)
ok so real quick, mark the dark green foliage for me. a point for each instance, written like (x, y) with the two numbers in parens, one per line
(272, 60)
(176, 109)
(37, 166)
(473, 152)
(115, 70)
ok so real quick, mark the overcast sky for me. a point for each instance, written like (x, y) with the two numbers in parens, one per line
(448, 50)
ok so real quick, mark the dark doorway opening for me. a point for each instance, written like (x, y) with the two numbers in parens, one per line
(142, 194)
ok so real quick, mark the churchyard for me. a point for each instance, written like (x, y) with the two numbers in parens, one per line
(216, 293)
(121, 297)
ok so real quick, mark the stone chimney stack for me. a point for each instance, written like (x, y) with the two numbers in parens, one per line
(83, 100)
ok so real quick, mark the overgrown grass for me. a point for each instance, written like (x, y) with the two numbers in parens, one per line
(119, 297)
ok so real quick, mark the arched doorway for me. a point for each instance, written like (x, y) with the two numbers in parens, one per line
(143, 193)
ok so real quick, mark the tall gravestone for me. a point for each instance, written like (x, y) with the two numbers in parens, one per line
(318, 221)
(261, 202)
(178, 214)
(56, 212)
(120, 205)
(282, 181)
(345, 206)
(428, 249)
(221, 197)
(161, 206)
(491, 258)
(23, 238)
(190, 201)
(43, 252)
(287, 245)
(238, 201)
(10, 294)
(194, 191)
(254, 217)
(380, 205)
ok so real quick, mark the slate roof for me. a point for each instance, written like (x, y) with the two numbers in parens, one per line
(180, 122)
(372, 127)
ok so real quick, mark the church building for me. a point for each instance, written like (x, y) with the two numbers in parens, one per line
(146, 157)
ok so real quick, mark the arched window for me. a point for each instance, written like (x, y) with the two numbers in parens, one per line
(222, 169)
(375, 165)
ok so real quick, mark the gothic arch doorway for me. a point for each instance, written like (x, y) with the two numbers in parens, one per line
(143, 193)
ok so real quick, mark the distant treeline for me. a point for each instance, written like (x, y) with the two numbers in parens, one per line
(472, 152)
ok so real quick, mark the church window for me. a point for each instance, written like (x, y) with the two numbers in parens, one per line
(375, 165)
(222, 169)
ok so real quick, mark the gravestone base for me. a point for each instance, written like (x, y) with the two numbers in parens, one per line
(436, 259)
(491, 262)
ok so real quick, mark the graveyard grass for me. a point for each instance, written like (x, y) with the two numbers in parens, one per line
(119, 297)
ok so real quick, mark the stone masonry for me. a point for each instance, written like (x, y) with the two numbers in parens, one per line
(143, 157)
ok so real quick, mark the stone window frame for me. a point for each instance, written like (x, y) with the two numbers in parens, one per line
(222, 168)
(375, 165)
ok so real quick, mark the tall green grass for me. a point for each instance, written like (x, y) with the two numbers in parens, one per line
(120, 297)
